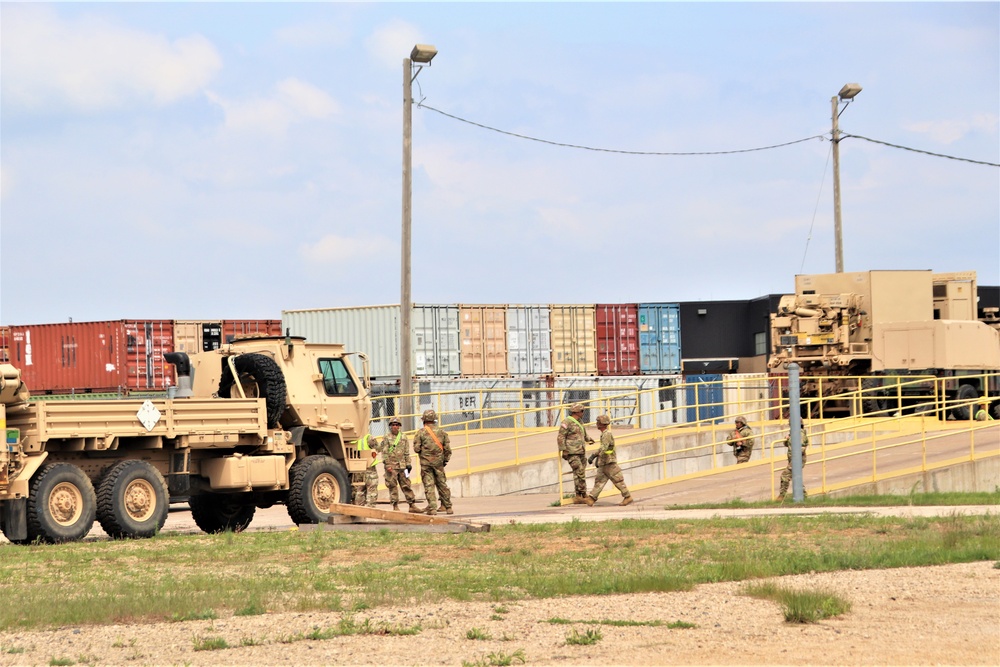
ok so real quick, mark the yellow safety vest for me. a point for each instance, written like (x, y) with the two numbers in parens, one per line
(364, 446)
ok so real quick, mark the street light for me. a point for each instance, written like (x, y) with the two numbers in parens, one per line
(421, 55)
(847, 93)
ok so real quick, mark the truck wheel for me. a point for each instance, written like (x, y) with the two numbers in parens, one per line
(132, 500)
(218, 513)
(261, 377)
(966, 393)
(61, 504)
(872, 400)
(315, 484)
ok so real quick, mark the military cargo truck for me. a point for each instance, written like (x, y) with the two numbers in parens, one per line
(873, 324)
(254, 423)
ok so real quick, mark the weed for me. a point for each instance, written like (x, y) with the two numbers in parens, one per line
(800, 606)
(591, 636)
(252, 609)
(13, 650)
(681, 625)
(496, 617)
(62, 661)
(476, 633)
(252, 641)
(210, 643)
(203, 615)
(497, 659)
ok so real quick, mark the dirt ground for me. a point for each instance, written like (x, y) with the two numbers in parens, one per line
(910, 616)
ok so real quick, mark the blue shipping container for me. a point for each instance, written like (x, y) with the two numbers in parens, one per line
(708, 402)
(659, 338)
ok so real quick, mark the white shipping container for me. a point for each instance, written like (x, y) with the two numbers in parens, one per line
(436, 350)
(529, 341)
(373, 330)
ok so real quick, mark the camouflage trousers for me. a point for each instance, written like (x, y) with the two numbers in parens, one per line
(611, 472)
(786, 477)
(578, 463)
(396, 480)
(435, 482)
(367, 494)
(742, 453)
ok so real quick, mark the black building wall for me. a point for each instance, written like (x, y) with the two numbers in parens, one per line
(714, 329)
(989, 297)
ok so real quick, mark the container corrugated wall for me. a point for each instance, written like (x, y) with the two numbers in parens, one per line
(4, 344)
(659, 338)
(573, 334)
(73, 357)
(436, 349)
(483, 335)
(232, 329)
(373, 330)
(617, 334)
(529, 341)
(146, 341)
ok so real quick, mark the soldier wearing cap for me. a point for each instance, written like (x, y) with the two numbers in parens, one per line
(573, 441)
(741, 441)
(983, 414)
(434, 451)
(395, 450)
(607, 465)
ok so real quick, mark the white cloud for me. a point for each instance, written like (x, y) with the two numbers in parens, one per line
(950, 131)
(317, 34)
(392, 42)
(91, 63)
(332, 250)
(292, 101)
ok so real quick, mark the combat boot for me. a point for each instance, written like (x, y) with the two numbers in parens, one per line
(590, 501)
(430, 511)
(449, 511)
(627, 500)
(395, 507)
(579, 500)
(415, 510)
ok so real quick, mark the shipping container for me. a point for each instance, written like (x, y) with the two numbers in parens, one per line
(193, 336)
(483, 336)
(704, 397)
(146, 341)
(617, 334)
(436, 349)
(529, 341)
(233, 329)
(659, 338)
(573, 340)
(4, 344)
(373, 330)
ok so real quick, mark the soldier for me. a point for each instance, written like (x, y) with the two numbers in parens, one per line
(368, 494)
(395, 449)
(434, 451)
(742, 441)
(607, 465)
(573, 442)
(786, 475)
(983, 414)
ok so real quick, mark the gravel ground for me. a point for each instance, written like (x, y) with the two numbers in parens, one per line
(909, 616)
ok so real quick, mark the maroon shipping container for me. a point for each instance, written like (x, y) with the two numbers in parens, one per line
(237, 328)
(93, 357)
(4, 344)
(617, 339)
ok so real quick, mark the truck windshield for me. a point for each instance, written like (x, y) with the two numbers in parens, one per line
(337, 381)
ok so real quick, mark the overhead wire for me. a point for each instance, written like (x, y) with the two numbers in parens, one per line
(822, 183)
(917, 150)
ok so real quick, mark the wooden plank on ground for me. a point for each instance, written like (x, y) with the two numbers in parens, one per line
(360, 511)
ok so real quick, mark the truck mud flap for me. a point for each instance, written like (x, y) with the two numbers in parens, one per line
(14, 517)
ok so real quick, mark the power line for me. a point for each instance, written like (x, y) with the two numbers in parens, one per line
(916, 150)
(612, 150)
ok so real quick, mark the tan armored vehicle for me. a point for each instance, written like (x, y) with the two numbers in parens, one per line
(873, 324)
(257, 422)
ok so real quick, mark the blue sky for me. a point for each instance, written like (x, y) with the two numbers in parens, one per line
(231, 160)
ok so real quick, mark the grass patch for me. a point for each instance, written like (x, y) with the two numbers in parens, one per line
(681, 625)
(62, 661)
(614, 623)
(210, 643)
(497, 659)
(204, 577)
(588, 637)
(476, 633)
(800, 606)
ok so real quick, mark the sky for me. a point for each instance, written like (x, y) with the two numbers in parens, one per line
(234, 160)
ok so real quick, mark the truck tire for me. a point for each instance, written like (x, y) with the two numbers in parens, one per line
(132, 500)
(872, 400)
(261, 373)
(316, 483)
(61, 504)
(219, 512)
(966, 393)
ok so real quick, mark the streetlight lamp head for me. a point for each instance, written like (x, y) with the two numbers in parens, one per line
(849, 91)
(424, 53)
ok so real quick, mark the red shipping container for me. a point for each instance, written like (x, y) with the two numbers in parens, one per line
(238, 328)
(73, 357)
(617, 339)
(145, 343)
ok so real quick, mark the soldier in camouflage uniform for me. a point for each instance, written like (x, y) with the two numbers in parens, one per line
(367, 495)
(742, 441)
(786, 475)
(395, 450)
(607, 465)
(434, 451)
(573, 441)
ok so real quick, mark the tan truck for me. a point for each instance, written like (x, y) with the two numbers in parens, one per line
(874, 324)
(255, 423)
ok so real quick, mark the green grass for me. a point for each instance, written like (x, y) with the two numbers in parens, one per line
(497, 659)
(912, 499)
(590, 636)
(615, 623)
(800, 606)
(210, 643)
(476, 633)
(183, 577)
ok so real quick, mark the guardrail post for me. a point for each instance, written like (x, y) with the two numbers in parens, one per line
(795, 431)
